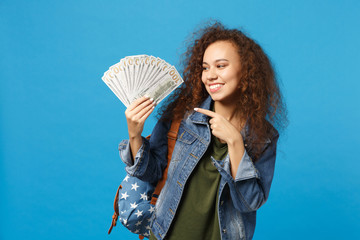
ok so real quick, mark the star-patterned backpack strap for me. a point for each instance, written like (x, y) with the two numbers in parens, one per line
(172, 135)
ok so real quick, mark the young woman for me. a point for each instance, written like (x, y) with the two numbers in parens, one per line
(223, 162)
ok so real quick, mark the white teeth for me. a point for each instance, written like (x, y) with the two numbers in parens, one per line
(215, 86)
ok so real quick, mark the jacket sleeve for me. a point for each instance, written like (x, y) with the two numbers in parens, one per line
(251, 186)
(151, 159)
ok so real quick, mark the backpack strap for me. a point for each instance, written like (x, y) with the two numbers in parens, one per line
(172, 135)
(116, 210)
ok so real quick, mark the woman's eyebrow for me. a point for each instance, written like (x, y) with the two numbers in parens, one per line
(218, 60)
(222, 59)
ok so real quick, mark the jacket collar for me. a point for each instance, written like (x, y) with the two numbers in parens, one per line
(197, 117)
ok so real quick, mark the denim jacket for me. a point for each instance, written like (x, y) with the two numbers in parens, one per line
(239, 198)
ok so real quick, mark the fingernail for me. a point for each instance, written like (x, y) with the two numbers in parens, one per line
(151, 99)
(195, 109)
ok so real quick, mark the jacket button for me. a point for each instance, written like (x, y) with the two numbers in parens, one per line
(224, 230)
(221, 203)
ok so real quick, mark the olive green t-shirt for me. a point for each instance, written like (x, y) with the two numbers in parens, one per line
(197, 214)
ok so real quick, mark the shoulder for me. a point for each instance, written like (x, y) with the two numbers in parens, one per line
(273, 133)
(270, 133)
(256, 147)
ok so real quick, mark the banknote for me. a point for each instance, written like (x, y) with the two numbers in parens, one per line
(139, 75)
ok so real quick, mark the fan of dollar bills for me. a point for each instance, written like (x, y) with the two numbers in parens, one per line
(140, 75)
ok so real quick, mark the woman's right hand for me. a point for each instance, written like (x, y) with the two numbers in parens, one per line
(137, 113)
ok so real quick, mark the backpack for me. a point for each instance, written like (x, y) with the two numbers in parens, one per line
(134, 207)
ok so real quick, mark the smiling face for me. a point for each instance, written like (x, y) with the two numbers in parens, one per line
(221, 71)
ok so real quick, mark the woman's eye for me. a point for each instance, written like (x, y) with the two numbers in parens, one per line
(205, 68)
(221, 66)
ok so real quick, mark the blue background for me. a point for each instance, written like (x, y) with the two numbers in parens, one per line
(60, 124)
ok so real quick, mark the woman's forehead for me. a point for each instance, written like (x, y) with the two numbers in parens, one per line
(221, 50)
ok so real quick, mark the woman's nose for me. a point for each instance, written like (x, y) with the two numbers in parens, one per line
(211, 74)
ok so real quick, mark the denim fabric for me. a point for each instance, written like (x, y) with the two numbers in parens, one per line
(239, 198)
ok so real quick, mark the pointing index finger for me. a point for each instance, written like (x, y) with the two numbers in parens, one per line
(206, 112)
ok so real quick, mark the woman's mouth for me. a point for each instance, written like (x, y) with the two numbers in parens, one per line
(215, 87)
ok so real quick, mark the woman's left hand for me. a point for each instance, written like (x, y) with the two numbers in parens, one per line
(221, 127)
(224, 130)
